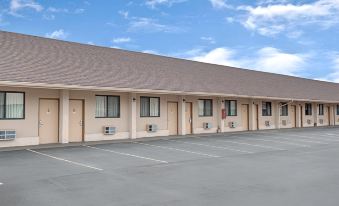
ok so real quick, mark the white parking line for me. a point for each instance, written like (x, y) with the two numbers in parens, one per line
(126, 154)
(332, 134)
(321, 137)
(254, 145)
(1, 183)
(281, 142)
(212, 146)
(176, 149)
(300, 140)
(65, 160)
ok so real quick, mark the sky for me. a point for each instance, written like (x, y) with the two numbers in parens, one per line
(298, 38)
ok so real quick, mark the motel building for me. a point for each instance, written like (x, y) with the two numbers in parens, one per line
(54, 91)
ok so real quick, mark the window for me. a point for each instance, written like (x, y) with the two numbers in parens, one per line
(12, 105)
(337, 109)
(308, 109)
(107, 106)
(149, 106)
(266, 109)
(205, 107)
(231, 107)
(284, 109)
(321, 109)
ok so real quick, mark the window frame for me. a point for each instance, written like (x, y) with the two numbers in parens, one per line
(229, 106)
(283, 104)
(119, 106)
(204, 111)
(308, 109)
(149, 109)
(321, 111)
(24, 105)
(262, 109)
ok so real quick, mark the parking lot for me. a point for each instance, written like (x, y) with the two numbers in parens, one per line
(285, 167)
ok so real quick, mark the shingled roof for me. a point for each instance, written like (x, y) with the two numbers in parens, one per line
(30, 59)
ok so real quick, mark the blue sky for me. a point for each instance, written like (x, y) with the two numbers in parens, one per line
(297, 38)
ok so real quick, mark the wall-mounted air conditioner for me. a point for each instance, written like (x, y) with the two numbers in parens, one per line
(309, 121)
(232, 124)
(267, 123)
(321, 121)
(109, 130)
(207, 125)
(7, 134)
(152, 128)
(284, 122)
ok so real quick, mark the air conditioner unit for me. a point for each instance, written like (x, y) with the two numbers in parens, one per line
(309, 121)
(284, 122)
(7, 134)
(321, 121)
(152, 128)
(207, 125)
(267, 123)
(232, 124)
(109, 130)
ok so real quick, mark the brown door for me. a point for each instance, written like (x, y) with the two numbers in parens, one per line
(293, 116)
(172, 118)
(188, 117)
(244, 116)
(48, 121)
(76, 122)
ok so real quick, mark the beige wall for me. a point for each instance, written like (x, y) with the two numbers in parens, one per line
(94, 126)
(323, 120)
(161, 121)
(237, 119)
(27, 129)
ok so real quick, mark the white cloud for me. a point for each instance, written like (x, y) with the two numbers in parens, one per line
(150, 52)
(221, 56)
(17, 5)
(267, 59)
(334, 75)
(273, 60)
(125, 14)
(208, 39)
(79, 11)
(57, 10)
(150, 25)
(272, 19)
(122, 40)
(58, 34)
(220, 4)
(154, 3)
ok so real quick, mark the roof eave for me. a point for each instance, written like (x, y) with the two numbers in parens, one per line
(134, 90)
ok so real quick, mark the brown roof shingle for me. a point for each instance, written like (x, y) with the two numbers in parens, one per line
(26, 58)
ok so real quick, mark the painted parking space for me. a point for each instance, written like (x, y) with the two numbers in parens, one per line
(160, 150)
(239, 147)
(170, 169)
(106, 157)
